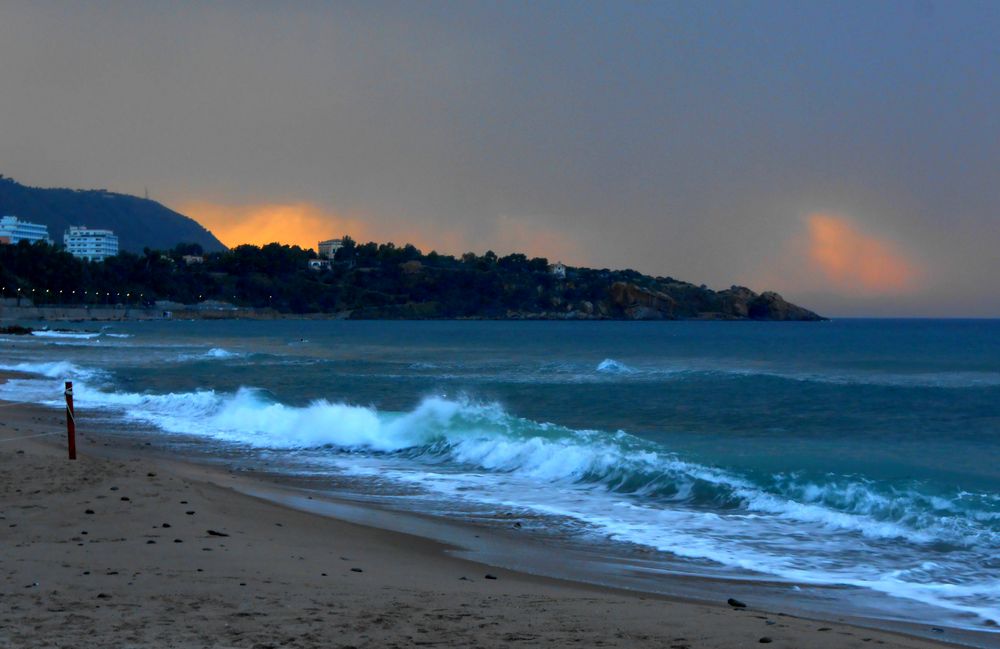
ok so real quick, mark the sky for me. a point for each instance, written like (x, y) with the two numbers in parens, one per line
(845, 154)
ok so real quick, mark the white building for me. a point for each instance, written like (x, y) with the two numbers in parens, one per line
(92, 245)
(15, 230)
(558, 269)
(319, 264)
(327, 249)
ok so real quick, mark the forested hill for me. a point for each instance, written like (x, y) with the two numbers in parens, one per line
(376, 281)
(138, 222)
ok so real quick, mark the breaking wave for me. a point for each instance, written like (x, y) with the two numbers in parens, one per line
(617, 485)
(611, 366)
(79, 335)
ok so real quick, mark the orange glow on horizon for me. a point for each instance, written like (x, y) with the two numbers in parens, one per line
(301, 224)
(305, 224)
(855, 262)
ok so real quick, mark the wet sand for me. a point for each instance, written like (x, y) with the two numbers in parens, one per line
(119, 549)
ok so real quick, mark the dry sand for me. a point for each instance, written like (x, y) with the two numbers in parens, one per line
(118, 552)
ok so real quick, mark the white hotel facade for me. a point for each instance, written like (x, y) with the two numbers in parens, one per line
(14, 230)
(92, 245)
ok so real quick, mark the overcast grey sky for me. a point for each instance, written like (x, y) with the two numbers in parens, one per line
(846, 154)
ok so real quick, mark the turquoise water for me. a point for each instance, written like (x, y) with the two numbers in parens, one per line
(859, 453)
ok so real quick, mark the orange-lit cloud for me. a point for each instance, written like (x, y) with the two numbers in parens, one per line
(523, 234)
(305, 223)
(856, 262)
(302, 224)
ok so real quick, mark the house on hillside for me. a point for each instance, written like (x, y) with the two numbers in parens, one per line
(558, 269)
(319, 264)
(328, 249)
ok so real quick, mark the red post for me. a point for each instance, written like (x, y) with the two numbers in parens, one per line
(70, 421)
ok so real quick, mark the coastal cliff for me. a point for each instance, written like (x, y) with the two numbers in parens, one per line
(369, 281)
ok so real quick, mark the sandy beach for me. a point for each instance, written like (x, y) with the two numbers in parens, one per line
(120, 550)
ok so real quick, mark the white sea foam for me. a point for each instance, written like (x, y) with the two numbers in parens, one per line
(611, 366)
(215, 353)
(218, 352)
(487, 438)
(53, 369)
(82, 335)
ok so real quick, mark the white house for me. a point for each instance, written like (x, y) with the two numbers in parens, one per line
(15, 230)
(327, 249)
(92, 245)
(558, 269)
(319, 264)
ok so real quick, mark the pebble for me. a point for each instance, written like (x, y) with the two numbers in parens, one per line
(489, 576)
(356, 570)
(735, 603)
(765, 640)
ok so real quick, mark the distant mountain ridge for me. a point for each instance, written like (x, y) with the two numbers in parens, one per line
(138, 222)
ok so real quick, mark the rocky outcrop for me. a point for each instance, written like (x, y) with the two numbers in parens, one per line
(771, 306)
(633, 302)
(637, 303)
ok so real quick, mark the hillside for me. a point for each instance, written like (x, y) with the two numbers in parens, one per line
(138, 222)
(378, 281)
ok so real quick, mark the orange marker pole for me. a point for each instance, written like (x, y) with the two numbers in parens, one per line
(70, 421)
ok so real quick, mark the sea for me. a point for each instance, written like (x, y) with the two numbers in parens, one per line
(851, 466)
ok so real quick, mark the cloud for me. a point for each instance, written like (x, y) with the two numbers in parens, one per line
(298, 223)
(855, 262)
(305, 223)
(524, 234)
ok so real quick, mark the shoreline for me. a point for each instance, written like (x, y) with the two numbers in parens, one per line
(123, 313)
(392, 566)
